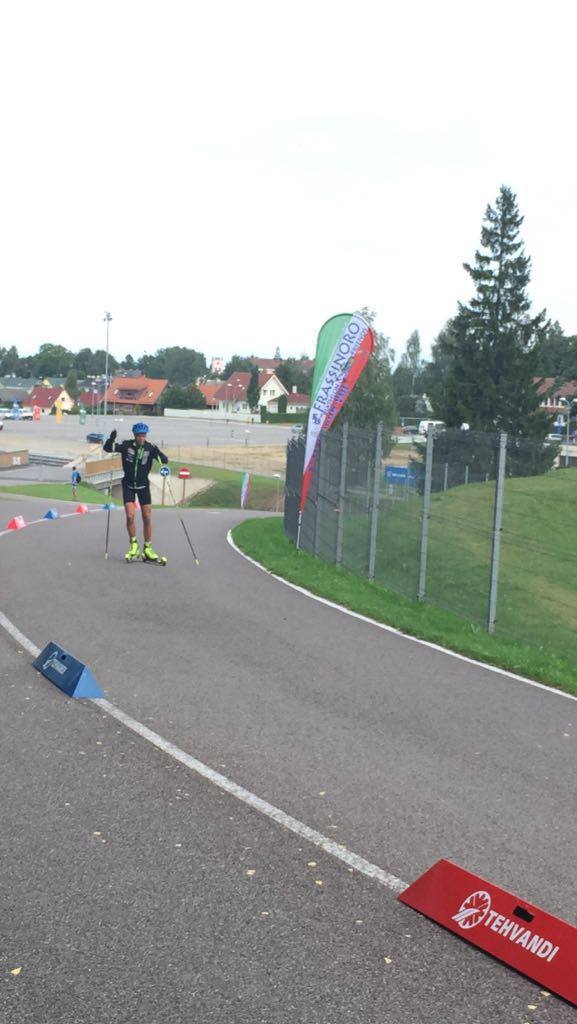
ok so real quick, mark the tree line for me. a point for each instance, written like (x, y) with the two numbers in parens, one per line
(177, 364)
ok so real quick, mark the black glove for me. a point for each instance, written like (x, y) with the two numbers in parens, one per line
(113, 436)
(163, 458)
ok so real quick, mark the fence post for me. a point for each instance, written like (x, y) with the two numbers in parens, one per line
(466, 474)
(497, 526)
(318, 517)
(426, 515)
(375, 500)
(446, 477)
(342, 492)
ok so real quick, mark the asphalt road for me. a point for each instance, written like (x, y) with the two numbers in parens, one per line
(166, 430)
(401, 753)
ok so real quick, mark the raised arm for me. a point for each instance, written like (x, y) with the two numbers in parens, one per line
(109, 445)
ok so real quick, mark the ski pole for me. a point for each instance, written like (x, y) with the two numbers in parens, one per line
(82, 457)
(108, 515)
(182, 522)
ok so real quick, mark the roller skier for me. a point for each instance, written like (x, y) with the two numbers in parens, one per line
(137, 458)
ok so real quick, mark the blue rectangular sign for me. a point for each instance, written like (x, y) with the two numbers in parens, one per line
(399, 475)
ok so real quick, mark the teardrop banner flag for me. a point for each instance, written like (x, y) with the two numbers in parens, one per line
(344, 347)
(244, 490)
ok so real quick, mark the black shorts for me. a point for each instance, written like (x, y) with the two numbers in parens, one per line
(142, 493)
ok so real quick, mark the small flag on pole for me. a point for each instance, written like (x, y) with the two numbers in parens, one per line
(244, 490)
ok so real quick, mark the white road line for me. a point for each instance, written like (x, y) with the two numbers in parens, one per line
(269, 810)
(399, 632)
(352, 860)
(18, 636)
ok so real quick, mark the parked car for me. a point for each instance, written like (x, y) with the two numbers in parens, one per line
(25, 414)
(95, 438)
(410, 428)
(437, 426)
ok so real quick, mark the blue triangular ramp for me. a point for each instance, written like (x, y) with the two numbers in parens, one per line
(52, 513)
(71, 676)
(87, 686)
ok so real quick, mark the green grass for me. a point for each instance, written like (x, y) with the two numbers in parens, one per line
(552, 663)
(58, 492)
(225, 492)
(537, 594)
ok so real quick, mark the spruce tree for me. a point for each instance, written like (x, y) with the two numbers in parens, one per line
(495, 342)
(253, 390)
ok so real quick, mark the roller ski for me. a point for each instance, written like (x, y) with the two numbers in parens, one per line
(133, 553)
(149, 555)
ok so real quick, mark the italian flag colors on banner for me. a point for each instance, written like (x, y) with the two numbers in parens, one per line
(345, 345)
(244, 490)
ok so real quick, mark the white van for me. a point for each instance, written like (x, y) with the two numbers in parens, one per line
(436, 425)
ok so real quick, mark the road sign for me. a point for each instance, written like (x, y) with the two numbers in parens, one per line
(400, 475)
(184, 473)
(164, 471)
(514, 931)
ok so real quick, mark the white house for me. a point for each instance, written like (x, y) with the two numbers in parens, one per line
(296, 402)
(232, 395)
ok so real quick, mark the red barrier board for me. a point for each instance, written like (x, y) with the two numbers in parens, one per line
(523, 936)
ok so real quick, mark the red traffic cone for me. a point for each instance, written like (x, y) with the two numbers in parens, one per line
(18, 523)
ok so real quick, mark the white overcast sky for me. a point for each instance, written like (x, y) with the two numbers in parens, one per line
(226, 176)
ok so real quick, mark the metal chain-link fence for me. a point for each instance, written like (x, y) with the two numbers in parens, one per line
(475, 523)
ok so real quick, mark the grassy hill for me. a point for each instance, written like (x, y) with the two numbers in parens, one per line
(537, 597)
(536, 628)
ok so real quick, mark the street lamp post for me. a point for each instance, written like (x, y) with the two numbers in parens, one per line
(107, 319)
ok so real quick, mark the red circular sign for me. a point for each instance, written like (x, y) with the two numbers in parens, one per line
(184, 473)
(473, 909)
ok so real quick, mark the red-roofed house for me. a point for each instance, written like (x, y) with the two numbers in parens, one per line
(89, 399)
(556, 398)
(45, 398)
(136, 394)
(296, 402)
(271, 365)
(231, 396)
(265, 365)
(209, 390)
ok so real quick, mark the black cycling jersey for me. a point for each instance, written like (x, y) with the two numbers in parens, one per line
(136, 460)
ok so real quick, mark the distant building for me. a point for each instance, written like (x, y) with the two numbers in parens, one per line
(46, 398)
(136, 394)
(265, 365)
(12, 381)
(555, 397)
(231, 396)
(296, 402)
(10, 395)
(271, 365)
(89, 399)
(209, 389)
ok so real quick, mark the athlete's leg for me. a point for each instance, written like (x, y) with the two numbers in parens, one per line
(129, 508)
(147, 522)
